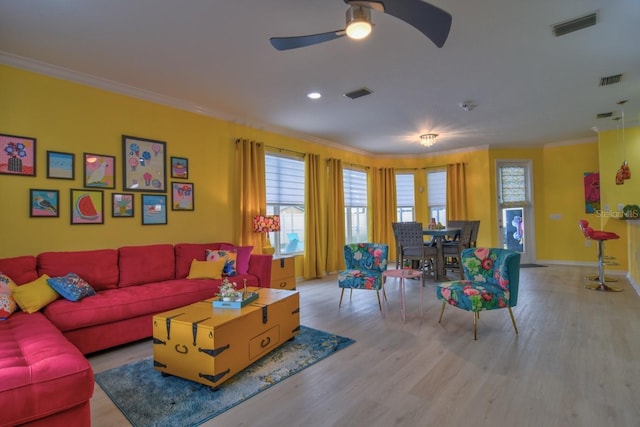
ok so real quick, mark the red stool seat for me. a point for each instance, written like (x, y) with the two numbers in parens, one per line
(599, 236)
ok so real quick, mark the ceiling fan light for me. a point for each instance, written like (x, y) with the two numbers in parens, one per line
(358, 22)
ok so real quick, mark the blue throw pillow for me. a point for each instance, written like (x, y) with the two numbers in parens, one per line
(71, 287)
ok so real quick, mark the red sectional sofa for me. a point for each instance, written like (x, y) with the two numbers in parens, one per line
(44, 377)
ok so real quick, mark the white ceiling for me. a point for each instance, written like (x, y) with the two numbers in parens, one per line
(530, 87)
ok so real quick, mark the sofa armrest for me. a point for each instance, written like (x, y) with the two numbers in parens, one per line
(260, 266)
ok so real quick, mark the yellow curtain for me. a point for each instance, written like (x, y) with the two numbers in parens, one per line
(314, 239)
(456, 192)
(335, 216)
(384, 207)
(251, 188)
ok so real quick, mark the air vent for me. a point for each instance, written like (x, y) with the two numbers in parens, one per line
(611, 80)
(575, 24)
(604, 115)
(358, 93)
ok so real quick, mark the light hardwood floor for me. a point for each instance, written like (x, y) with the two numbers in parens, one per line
(576, 361)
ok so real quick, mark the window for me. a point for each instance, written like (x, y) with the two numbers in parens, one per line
(355, 205)
(405, 197)
(437, 195)
(285, 197)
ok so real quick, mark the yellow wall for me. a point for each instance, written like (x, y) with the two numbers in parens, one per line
(74, 118)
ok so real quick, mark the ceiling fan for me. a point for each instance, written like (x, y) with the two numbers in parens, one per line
(430, 20)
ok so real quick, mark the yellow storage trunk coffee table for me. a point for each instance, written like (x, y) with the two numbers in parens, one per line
(209, 345)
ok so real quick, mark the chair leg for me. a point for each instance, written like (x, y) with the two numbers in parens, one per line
(341, 295)
(601, 286)
(379, 304)
(444, 304)
(475, 325)
(513, 320)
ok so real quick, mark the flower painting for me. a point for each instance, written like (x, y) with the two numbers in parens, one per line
(591, 192)
(144, 164)
(17, 155)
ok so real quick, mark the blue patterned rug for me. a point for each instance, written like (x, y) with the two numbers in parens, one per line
(147, 398)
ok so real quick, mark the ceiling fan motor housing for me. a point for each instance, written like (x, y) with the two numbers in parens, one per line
(358, 22)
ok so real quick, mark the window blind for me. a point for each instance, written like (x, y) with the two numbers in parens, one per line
(355, 188)
(405, 190)
(437, 188)
(285, 180)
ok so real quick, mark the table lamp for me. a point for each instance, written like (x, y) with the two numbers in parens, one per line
(265, 224)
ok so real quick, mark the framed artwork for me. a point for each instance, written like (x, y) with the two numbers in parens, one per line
(60, 165)
(144, 165)
(17, 155)
(44, 203)
(182, 196)
(99, 171)
(179, 167)
(591, 192)
(87, 206)
(154, 209)
(122, 205)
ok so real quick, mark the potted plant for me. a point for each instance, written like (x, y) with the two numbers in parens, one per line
(228, 290)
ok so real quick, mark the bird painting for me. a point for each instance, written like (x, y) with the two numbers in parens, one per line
(97, 175)
(43, 204)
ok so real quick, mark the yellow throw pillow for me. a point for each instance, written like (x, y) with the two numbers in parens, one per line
(35, 295)
(206, 269)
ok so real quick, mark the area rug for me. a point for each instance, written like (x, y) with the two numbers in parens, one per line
(147, 398)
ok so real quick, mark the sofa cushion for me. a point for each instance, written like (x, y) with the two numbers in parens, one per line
(242, 258)
(21, 269)
(41, 372)
(125, 303)
(71, 287)
(98, 267)
(206, 269)
(35, 295)
(145, 264)
(187, 252)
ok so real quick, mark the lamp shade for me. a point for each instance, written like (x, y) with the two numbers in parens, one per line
(266, 223)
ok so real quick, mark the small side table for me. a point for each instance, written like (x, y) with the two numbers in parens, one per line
(403, 275)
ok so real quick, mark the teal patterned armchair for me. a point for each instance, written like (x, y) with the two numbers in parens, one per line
(491, 282)
(365, 264)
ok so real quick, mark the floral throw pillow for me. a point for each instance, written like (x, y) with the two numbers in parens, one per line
(229, 257)
(7, 303)
(71, 287)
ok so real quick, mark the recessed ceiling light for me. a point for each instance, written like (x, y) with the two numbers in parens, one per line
(314, 95)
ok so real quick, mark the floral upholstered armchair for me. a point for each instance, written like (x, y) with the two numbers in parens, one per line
(365, 264)
(491, 282)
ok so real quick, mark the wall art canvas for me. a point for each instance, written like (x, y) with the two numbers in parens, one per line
(144, 164)
(179, 167)
(17, 155)
(87, 206)
(122, 205)
(591, 192)
(60, 165)
(154, 209)
(99, 170)
(182, 196)
(44, 203)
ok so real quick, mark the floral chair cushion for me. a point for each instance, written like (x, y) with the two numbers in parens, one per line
(365, 263)
(492, 277)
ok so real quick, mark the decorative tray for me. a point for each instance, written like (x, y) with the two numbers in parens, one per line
(251, 296)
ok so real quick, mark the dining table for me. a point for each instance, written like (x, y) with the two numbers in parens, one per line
(438, 236)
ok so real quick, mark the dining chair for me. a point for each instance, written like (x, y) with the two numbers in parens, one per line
(365, 263)
(452, 250)
(475, 228)
(413, 247)
(492, 280)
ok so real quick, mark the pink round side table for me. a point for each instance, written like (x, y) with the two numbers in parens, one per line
(402, 275)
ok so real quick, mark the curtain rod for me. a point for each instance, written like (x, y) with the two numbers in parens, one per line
(285, 149)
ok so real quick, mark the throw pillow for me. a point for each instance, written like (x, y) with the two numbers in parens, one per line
(71, 287)
(7, 303)
(229, 258)
(206, 269)
(243, 253)
(35, 295)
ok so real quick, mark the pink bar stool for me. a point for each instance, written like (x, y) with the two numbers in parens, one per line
(600, 237)
(403, 275)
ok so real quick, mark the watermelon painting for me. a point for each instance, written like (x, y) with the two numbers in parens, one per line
(86, 207)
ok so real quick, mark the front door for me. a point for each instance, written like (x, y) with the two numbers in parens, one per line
(515, 208)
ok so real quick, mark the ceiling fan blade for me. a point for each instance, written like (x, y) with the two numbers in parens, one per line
(430, 20)
(286, 43)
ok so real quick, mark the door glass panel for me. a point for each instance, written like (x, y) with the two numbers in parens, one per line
(513, 220)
